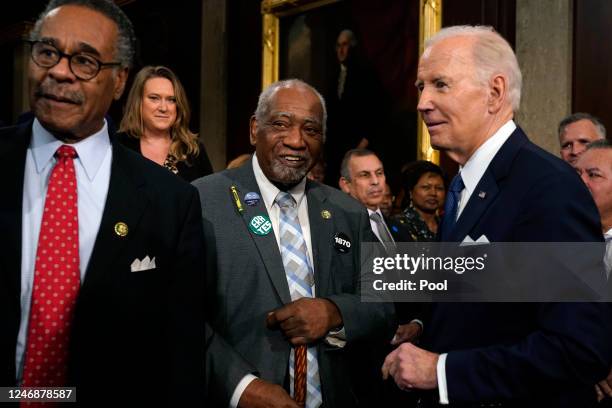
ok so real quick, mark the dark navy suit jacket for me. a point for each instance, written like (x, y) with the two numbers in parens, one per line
(534, 354)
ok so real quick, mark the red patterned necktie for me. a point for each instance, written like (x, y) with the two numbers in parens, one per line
(56, 279)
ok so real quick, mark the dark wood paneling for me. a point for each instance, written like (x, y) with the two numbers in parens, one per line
(592, 62)
(244, 25)
(500, 14)
(171, 36)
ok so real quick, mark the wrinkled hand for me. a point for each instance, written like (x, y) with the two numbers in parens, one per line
(604, 387)
(406, 333)
(305, 320)
(260, 394)
(412, 367)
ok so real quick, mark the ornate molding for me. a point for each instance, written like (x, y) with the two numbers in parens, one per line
(282, 8)
(430, 22)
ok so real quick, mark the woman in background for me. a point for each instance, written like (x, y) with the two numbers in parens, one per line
(156, 124)
(424, 193)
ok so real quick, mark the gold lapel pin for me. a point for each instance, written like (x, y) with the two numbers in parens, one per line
(121, 229)
(326, 214)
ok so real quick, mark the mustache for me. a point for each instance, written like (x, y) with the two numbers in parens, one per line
(55, 92)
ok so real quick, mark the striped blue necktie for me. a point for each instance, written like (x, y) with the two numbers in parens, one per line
(300, 278)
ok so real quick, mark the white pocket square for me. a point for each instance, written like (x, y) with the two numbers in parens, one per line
(144, 265)
(468, 241)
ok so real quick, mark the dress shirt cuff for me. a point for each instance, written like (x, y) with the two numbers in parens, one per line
(336, 338)
(441, 371)
(246, 380)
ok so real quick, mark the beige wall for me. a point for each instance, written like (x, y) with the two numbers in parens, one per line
(544, 51)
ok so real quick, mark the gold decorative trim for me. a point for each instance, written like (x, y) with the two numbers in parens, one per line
(269, 50)
(430, 22)
(281, 8)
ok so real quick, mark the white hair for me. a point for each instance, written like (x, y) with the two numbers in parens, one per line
(265, 100)
(492, 55)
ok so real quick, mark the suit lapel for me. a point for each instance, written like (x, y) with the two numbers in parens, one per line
(266, 244)
(321, 230)
(125, 202)
(481, 198)
(488, 187)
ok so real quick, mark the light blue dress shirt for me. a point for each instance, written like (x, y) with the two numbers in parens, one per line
(93, 168)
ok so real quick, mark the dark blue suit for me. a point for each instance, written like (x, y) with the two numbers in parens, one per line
(544, 354)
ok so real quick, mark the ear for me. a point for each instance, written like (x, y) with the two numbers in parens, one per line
(122, 75)
(344, 185)
(498, 93)
(253, 131)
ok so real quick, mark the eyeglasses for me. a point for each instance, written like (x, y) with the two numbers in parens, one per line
(83, 66)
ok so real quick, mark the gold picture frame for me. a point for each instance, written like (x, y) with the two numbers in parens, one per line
(430, 22)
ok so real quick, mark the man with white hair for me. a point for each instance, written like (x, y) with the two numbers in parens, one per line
(507, 190)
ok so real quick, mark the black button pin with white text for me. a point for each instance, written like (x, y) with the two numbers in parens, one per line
(342, 243)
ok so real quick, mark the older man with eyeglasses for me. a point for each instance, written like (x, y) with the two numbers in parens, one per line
(100, 250)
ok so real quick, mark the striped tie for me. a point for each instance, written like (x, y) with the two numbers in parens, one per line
(303, 364)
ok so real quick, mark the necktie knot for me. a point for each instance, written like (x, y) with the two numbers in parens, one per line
(285, 200)
(375, 217)
(66, 152)
(457, 184)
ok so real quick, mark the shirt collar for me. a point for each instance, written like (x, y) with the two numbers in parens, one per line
(608, 235)
(477, 164)
(89, 150)
(269, 191)
(377, 211)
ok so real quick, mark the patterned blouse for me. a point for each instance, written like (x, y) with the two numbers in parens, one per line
(414, 224)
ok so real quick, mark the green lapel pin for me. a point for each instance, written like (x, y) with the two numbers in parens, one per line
(260, 225)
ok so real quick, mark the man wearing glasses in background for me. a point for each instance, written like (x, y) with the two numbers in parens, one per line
(100, 248)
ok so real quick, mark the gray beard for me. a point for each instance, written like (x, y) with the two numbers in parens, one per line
(287, 175)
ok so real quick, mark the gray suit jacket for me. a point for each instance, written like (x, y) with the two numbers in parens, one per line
(246, 280)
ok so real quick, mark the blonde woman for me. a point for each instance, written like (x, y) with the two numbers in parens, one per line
(156, 124)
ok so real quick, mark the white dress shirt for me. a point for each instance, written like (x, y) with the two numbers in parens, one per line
(477, 164)
(268, 194)
(92, 166)
(471, 173)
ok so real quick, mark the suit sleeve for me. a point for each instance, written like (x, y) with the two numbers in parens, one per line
(570, 342)
(364, 320)
(225, 367)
